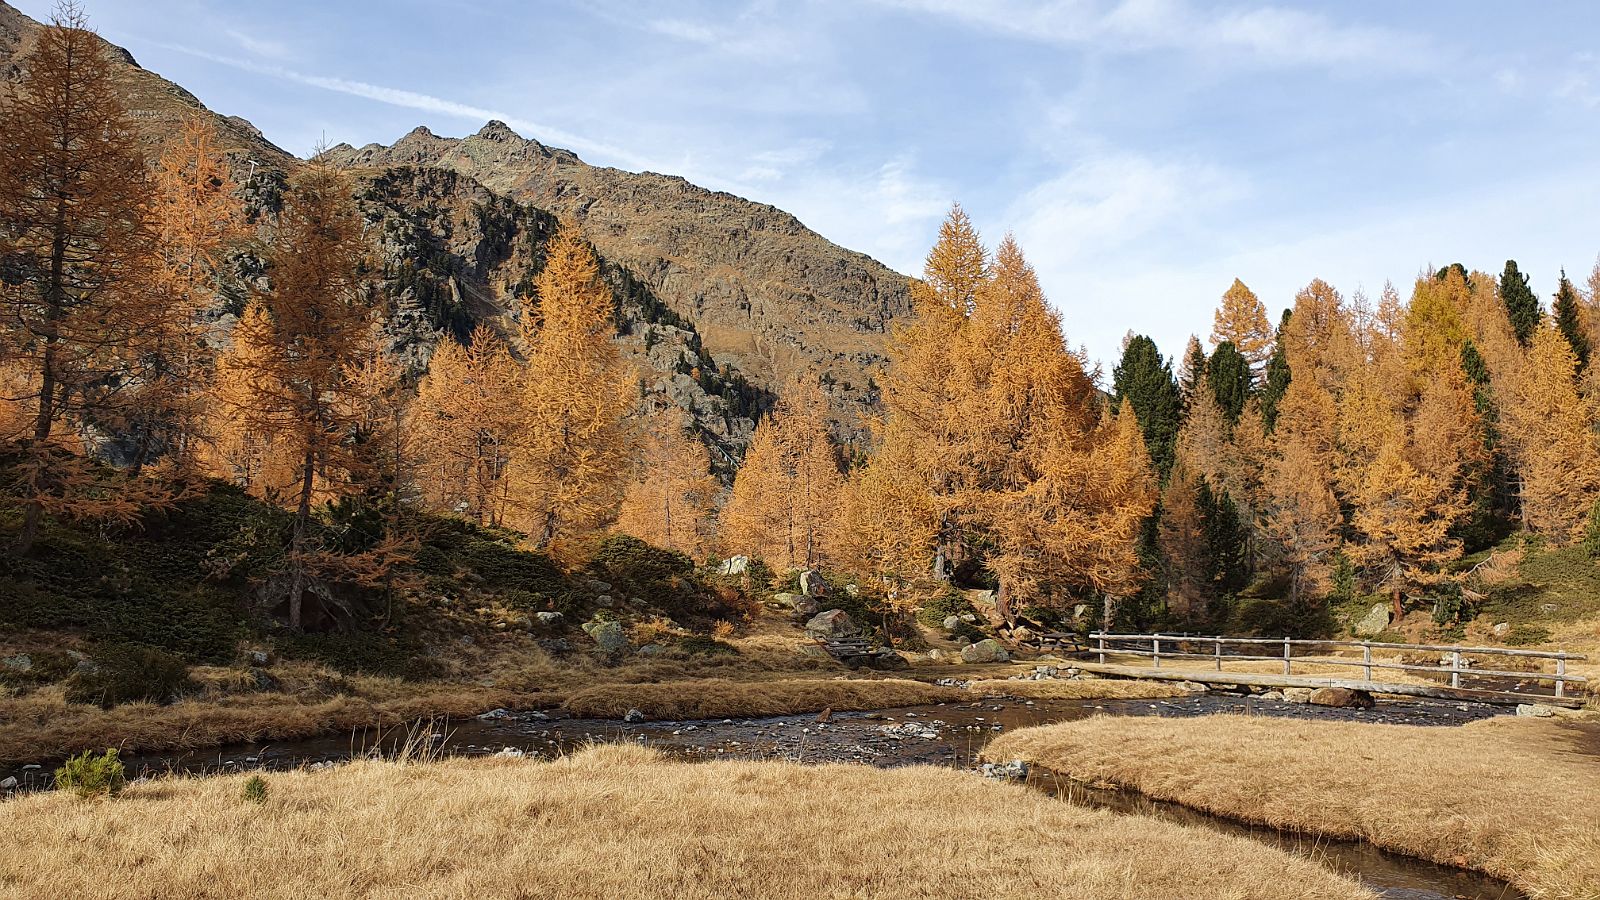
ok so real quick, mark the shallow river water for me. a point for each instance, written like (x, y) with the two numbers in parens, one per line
(946, 734)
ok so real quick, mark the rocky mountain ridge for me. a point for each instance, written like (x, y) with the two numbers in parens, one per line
(722, 302)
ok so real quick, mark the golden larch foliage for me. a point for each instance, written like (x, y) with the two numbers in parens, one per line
(1551, 431)
(575, 444)
(1242, 319)
(289, 407)
(786, 497)
(671, 500)
(464, 424)
(78, 307)
(196, 217)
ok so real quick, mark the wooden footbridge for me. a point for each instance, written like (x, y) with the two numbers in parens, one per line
(1476, 674)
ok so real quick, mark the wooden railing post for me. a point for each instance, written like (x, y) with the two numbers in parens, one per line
(1218, 641)
(1561, 682)
(1286, 656)
(1157, 655)
(1102, 637)
(1455, 668)
(1366, 660)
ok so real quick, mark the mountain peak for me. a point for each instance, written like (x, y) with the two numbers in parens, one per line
(496, 130)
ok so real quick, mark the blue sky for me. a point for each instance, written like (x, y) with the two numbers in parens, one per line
(1144, 152)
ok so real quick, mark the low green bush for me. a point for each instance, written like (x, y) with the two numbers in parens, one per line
(92, 775)
(946, 603)
(1526, 636)
(128, 673)
(255, 790)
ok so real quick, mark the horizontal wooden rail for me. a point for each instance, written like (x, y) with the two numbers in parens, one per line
(1455, 663)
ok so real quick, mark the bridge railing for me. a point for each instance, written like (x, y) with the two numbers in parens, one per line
(1456, 661)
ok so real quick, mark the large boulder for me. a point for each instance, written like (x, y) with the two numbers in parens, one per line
(832, 625)
(607, 635)
(805, 607)
(734, 565)
(811, 583)
(1297, 695)
(887, 659)
(785, 600)
(1341, 698)
(987, 650)
(1375, 621)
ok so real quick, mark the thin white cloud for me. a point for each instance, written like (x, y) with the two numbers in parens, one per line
(686, 31)
(425, 103)
(259, 45)
(1279, 36)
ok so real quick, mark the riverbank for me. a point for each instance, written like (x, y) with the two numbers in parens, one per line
(1515, 798)
(623, 821)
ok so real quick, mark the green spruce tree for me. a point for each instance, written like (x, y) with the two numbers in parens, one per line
(1569, 319)
(1522, 306)
(1231, 379)
(1277, 380)
(1145, 379)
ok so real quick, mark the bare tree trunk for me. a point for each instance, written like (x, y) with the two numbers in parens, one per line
(42, 424)
(302, 519)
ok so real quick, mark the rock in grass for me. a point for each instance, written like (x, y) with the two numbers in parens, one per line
(1297, 695)
(608, 636)
(1375, 621)
(1341, 698)
(987, 650)
(887, 659)
(633, 715)
(811, 583)
(549, 618)
(830, 625)
(734, 565)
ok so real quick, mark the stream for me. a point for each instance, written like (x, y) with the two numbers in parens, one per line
(946, 735)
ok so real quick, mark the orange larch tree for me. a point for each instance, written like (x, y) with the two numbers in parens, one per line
(76, 304)
(671, 500)
(786, 496)
(464, 424)
(575, 444)
(287, 384)
(196, 217)
(1242, 319)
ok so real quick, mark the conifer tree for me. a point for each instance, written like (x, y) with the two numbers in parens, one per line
(196, 219)
(1191, 369)
(1552, 432)
(76, 303)
(672, 497)
(1300, 512)
(1568, 314)
(465, 423)
(1182, 542)
(1278, 376)
(1144, 380)
(1242, 321)
(890, 518)
(927, 387)
(288, 382)
(574, 444)
(1231, 380)
(1522, 306)
(785, 496)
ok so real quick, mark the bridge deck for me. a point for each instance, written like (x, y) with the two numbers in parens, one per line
(1259, 679)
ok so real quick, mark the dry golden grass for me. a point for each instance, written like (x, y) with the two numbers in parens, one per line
(42, 725)
(1516, 798)
(622, 822)
(712, 698)
(1091, 689)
